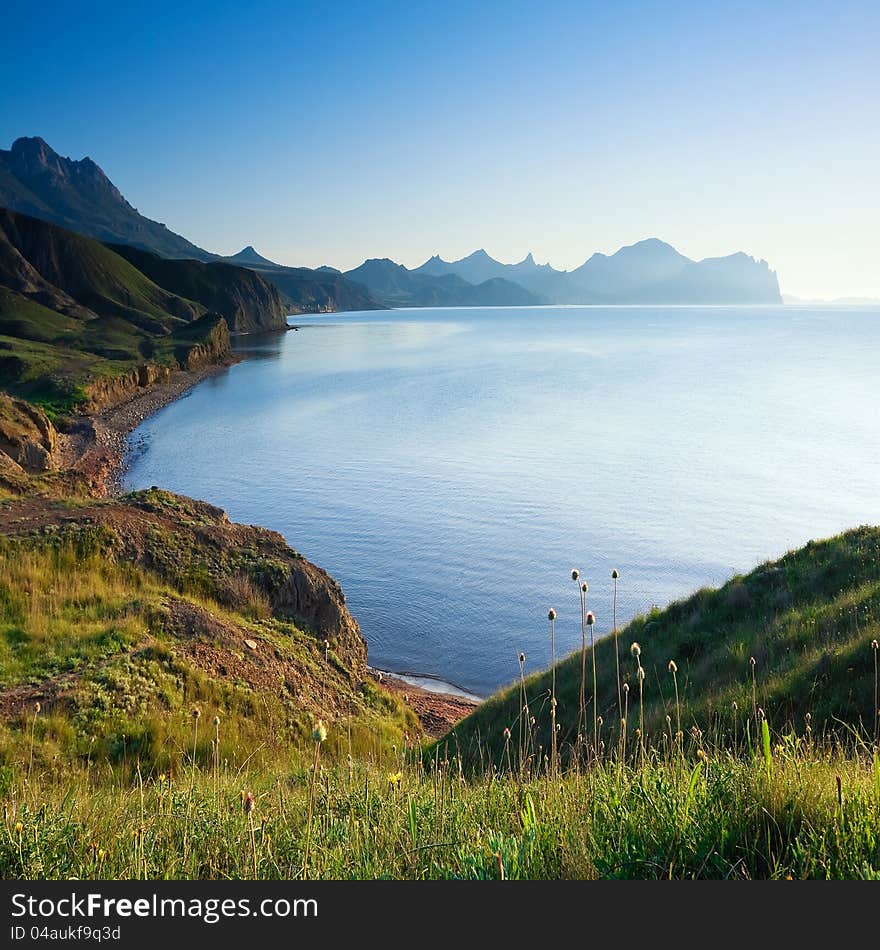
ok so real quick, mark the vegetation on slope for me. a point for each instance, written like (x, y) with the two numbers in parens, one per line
(118, 617)
(74, 315)
(794, 639)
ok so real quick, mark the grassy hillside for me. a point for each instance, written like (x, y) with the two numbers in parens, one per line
(74, 316)
(119, 617)
(790, 640)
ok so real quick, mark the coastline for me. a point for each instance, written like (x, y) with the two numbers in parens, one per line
(96, 447)
(437, 712)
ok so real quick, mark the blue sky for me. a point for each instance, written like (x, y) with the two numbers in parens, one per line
(327, 133)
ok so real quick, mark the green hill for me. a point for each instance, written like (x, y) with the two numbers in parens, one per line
(76, 318)
(803, 625)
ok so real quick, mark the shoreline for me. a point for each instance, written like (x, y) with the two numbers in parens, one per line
(96, 447)
(437, 712)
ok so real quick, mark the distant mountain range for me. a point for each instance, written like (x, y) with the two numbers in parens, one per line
(650, 271)
(396, 286)
(77, 195)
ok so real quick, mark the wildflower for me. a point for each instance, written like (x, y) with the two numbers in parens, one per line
(319, 733)
(874, 647)
(809, 718)
(551, 614)
(585, 587)
(752, 661)
(216, 721)
(522, 658)
(507, 735)
(38, 707)
(626, 687)
(101, 854)
(196, 712)
(641, 674)
(394, 778)
(635, 649)
(701, 755)
(591, 618)
(615, 574)
(761, 714)
(248, 802)
(673, 666)
(600, 721)
(575, 573)
(163, 778)
(19, 827)
(735, 706)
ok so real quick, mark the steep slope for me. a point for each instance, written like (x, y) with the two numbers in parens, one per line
(803, 626)
(396, 286)
(79, 323)
(158, 603)
(72, 274)
(239, 294)
(36, 180)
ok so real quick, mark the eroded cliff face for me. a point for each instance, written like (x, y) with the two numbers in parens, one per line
(27, 437)
(213, 349)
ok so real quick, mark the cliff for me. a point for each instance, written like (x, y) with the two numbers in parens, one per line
(247, 301)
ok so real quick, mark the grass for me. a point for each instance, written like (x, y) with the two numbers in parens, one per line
(751, 750)
(124, 653)
(807, 812)
(792, 638)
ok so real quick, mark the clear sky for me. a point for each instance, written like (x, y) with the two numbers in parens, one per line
(331, 132)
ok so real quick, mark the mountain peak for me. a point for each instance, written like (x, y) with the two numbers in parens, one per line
(249, 255)
(479, 255)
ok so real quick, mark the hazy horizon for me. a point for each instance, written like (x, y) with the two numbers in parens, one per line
(330, 134)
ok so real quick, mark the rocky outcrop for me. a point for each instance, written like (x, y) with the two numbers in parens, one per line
(212, 347)
(310, 595)
(27, 437)
(179, 538)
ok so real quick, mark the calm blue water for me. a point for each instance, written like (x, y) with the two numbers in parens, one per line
(450, 467)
